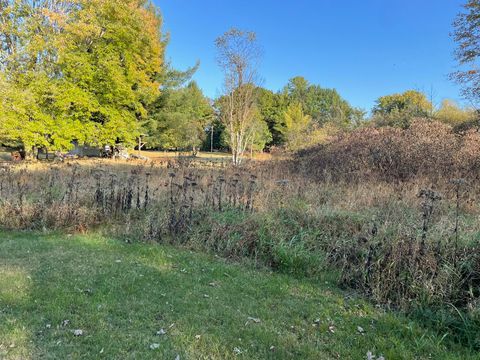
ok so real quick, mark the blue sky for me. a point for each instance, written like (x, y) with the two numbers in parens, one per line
(364, 49)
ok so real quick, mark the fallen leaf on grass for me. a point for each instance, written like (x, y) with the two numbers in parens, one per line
(161, 332)
(371, 356)
(88, 291)
(78, 332)
(154, 346)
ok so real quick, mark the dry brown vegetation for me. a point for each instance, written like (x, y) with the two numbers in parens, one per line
(394, 213)
(427, 150)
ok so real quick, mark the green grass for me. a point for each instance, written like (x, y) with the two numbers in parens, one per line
(121, 294)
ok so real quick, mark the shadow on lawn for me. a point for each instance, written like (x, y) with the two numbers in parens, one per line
(121, 295)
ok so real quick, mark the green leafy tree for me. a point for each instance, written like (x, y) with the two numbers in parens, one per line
(90, 67)
(255, 132)
(452, 114)
(296, 127)
(215, 136)
(18, 108)
(179, 119)
(260, 134)
(121, 49)
(323, 105)
(271, 107)
(399, 110)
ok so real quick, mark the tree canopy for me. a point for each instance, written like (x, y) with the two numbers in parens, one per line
(94, 72)
(399, 109)
(179, 118)
(238, 57)
(77, 70)
(467, 36)
(295, 126)
(322, 104)
(451, 113)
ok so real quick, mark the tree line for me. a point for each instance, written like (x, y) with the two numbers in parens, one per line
(94, 72)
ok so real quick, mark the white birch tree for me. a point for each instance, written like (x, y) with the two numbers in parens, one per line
(238, 56)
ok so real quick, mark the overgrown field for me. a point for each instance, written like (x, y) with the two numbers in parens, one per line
(410, 244)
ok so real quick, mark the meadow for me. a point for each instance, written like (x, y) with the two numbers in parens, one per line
(409, 247)
(217, 210)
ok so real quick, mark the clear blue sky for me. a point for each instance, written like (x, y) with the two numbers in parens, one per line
(363, 48)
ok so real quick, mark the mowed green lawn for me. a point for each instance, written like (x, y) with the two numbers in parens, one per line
(121, 295)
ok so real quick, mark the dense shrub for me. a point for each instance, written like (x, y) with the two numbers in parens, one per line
(427, 149)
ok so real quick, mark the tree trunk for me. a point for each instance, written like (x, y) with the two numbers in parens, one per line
(31, 153)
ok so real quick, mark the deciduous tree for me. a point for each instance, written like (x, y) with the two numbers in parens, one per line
(179, 119)
(296, 127)
(238, 56)
(322, 104)
(399, 110)
(89, 66)
(467, 36)
(451, 113)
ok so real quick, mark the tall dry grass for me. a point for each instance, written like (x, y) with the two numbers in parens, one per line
(394, 213)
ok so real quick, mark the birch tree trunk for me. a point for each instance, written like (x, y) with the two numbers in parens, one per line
(238, 56)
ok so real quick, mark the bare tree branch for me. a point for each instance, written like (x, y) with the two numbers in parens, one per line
(238, 56)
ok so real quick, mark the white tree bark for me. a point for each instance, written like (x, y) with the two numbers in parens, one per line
(238, 57)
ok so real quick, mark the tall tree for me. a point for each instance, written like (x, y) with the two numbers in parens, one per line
(322, 104)
(399, 109)
(271, 107)
(296, 127)
(90, 66)
(238, 56)
(467, 36)
(179, 119)
(451, 113)
(29, 35)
